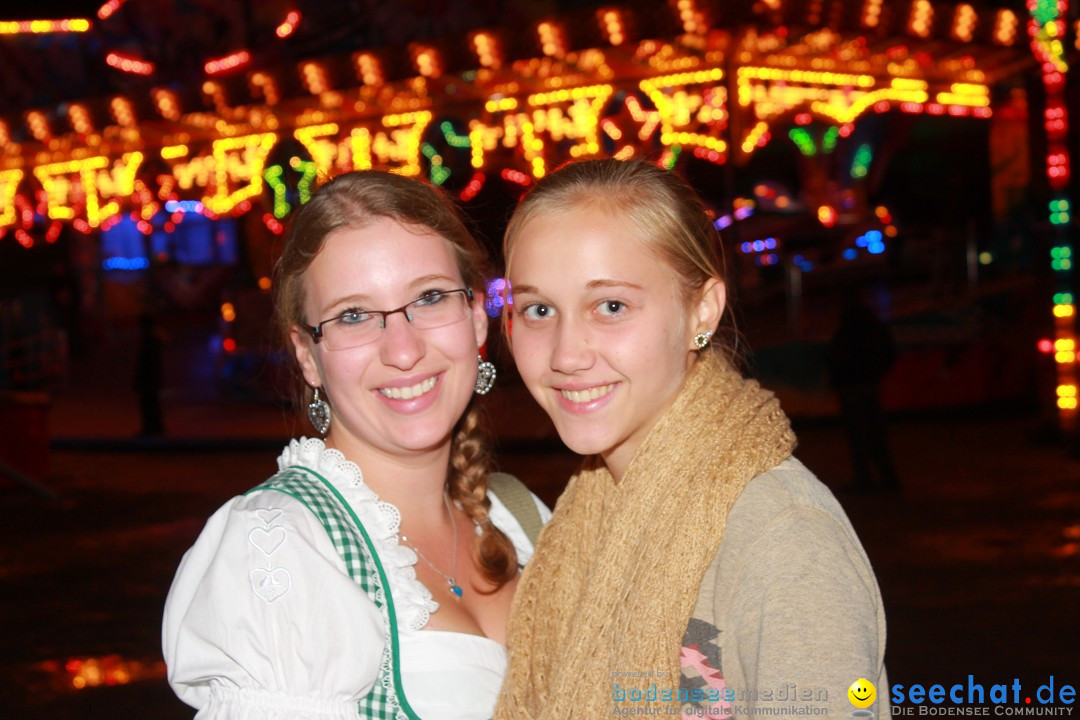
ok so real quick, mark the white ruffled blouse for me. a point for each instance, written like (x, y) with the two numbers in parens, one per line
(263, 621)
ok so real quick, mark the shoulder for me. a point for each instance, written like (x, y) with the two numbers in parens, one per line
(788, 529)
(237, 526)
(251, 533)
(788, 496)
(789, 484)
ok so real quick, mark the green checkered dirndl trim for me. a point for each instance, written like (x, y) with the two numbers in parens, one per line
(386, 701)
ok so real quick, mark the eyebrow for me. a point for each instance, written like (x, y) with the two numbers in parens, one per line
(361, 299)
(424, 280)
(523, 289)
(603, 283)
(348, 300)
(591, 285)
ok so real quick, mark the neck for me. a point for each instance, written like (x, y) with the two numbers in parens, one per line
(414, 484)
(419, 497)
(616, 462)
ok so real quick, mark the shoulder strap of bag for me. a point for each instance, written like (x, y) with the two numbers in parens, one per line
(386, 701)
(519, 501)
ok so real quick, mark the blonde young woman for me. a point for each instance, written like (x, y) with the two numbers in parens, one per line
(695, 565)
(372, 575)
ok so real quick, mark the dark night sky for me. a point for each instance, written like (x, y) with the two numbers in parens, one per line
(53, 10)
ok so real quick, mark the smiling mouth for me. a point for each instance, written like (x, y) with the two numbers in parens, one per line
(583, 396)
(409, 392)
(861, 698)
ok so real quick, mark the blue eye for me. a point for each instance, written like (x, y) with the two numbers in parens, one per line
(537, 311)
(354, 317)
(430, 297)
(611, 307)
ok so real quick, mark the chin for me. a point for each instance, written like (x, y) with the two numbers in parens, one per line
(428, 438)
(584, 444)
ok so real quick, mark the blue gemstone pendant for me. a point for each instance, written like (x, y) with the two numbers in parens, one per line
(456, 589)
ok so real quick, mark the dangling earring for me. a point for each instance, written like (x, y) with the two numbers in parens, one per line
(485, 376)
(318, 412)
(701, 340)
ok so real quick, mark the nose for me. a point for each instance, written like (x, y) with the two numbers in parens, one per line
(573, 348)
(401, 345)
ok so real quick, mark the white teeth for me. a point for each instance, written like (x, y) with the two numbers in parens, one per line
(580, 396)
(410, 392)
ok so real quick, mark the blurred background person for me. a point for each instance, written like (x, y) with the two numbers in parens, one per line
(860, 354)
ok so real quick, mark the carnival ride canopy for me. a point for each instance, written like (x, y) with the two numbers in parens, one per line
(135, 104)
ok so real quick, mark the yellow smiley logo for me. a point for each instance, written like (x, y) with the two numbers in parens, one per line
(862, 693)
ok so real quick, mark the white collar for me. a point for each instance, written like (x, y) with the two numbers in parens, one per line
(381, 520)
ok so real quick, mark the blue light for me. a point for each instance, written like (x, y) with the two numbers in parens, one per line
(746, 247)
(183, 206)
(850, 254)
(122, 245)
(873, 236)
(758, 246)
(770, 243)
(802, 263)
(722, 222)
(876, 248)
(860, 241)
(496, 297)
(123, 263)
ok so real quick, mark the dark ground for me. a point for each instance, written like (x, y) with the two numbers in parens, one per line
(978, 557)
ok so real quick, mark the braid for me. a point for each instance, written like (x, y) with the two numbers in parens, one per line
(470, 463)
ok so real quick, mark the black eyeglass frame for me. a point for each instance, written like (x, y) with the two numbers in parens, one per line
(316, 331)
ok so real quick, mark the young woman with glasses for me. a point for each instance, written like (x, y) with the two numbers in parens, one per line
(372, 575)
(694, 566)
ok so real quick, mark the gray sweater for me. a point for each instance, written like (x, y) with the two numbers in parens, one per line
(788, 614)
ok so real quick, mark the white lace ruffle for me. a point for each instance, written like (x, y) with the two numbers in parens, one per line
(412, 600)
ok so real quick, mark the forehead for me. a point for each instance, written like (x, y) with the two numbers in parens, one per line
(382, 256)
(582, 244)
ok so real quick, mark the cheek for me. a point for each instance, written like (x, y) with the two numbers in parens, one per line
(462, 342)
(529, 350)
(342, 370)
(651, 340)
(656, 355)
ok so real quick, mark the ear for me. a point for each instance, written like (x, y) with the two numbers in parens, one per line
(305, 356)
(710, 306)
(480, 317)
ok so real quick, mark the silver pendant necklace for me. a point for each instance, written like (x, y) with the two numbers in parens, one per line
(454, 587)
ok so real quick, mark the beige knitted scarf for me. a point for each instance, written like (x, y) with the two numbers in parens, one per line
(616, 573)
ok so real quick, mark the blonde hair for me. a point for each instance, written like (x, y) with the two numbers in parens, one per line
(668, 214)
(355, 200)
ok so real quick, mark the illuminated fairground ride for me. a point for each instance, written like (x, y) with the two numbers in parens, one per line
(716, 82)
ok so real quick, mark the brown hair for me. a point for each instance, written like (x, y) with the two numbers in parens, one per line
(355, 200)
(670, 215)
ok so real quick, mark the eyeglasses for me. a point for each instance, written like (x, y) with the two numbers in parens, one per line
(356, 327)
